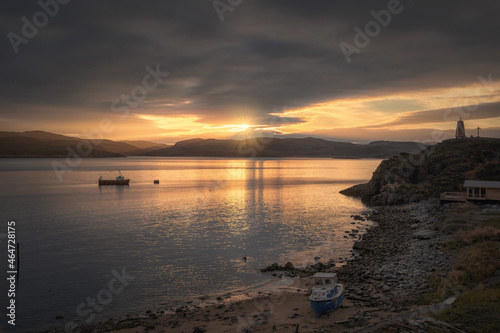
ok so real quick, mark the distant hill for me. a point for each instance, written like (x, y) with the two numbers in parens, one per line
(287, 147)
(439, 168)
(46, 144)
(145, 146)
(39, 135)
(25, 146)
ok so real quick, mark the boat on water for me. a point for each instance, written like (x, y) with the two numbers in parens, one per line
(119, 180)
(327, 294)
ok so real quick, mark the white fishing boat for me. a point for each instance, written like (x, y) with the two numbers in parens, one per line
(326, 293)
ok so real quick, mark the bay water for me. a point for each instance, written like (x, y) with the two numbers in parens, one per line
(90, 252)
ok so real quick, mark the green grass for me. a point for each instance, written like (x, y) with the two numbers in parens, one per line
(476, 258)
(477, 311)
(493, 222)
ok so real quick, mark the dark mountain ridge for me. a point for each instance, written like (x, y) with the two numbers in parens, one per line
(46, 144)
(286, 147)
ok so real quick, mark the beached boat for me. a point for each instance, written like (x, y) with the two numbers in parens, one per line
(326, 294)
(119, 180)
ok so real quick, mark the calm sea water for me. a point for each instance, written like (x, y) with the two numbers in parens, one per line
(177, 240)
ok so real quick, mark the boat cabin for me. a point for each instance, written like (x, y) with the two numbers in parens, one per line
(325, 279)
(482, 190)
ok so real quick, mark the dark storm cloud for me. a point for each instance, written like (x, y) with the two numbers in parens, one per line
(481, 111)
(264, 55)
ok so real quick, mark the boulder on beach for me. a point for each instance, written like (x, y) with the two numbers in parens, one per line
(270, 268)
(358, 245)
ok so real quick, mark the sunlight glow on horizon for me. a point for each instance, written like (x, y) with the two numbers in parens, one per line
(370, 111)
(345, 118)
(182, 125)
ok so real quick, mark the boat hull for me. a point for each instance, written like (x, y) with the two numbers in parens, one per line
(322, 307)
(114, 182)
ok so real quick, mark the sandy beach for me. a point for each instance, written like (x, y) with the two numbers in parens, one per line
(285, 310)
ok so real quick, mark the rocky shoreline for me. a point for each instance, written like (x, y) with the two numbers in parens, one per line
(392, 261)
(396, 260)
(397, 257)
(391, 265)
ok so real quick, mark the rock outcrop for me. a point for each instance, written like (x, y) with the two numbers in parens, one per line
(440, 168)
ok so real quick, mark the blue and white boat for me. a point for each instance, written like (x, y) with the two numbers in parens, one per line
(326, 293)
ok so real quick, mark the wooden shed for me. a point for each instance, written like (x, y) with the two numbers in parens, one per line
(482, 190)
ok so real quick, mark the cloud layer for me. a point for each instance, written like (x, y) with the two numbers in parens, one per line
(264, 56)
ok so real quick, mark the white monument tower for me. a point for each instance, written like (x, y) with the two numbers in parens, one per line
(460, 132)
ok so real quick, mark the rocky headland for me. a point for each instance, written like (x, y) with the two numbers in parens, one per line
(443, 167)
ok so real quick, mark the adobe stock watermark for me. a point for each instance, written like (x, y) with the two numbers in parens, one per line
(83, 148)
(264, 309)
(103, 297)
(408, 165)
(260, 140)
(139, 93)
(222, 6)
(92, 139)
(372, 29)
(30, 28)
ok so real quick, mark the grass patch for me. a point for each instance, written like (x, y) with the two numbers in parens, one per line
(478, 262)
(477, 311)
(476, 254)
(493, 221)
(442, 289)
(476, 258)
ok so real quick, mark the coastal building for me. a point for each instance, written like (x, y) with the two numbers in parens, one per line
(460, 131)
(482, 190)
(475, 190)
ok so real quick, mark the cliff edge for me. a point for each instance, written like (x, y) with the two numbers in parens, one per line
(439, 168)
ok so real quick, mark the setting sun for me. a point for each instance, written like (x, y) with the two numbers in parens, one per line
(242, 127)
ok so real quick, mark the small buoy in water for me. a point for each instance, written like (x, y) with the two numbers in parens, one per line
(156, 181)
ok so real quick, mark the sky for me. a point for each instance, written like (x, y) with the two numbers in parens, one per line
(170, 70)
